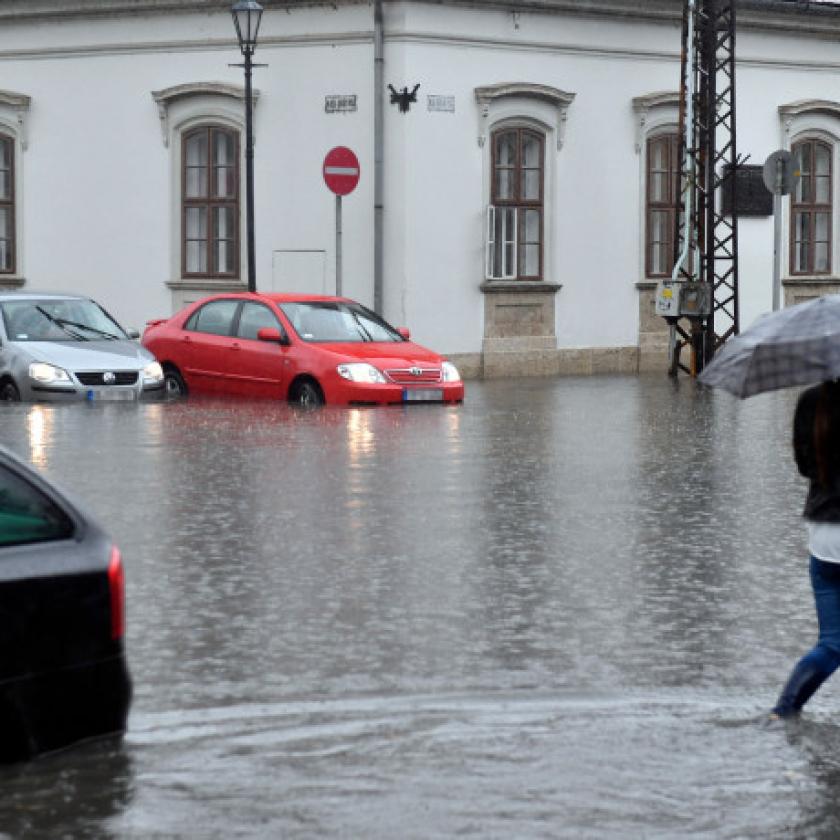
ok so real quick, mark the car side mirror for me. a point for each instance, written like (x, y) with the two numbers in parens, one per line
(132, 333)
(403, 331)
(271, 334)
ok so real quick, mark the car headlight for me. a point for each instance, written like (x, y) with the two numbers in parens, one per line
(152, 373)
(42, 372)
(360, 372)
(450, 372)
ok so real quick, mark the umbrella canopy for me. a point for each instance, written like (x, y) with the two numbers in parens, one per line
(796, 346)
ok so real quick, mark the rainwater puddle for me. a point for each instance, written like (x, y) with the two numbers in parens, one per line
(559, 610)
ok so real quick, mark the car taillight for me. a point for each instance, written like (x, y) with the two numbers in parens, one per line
(116, 582)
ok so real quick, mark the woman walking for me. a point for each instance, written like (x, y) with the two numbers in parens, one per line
(816, 447)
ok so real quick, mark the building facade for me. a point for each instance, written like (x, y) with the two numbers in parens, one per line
(518, 162)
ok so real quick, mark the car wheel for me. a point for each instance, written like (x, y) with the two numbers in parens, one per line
(174, 384)
(307, 394)
(9, 392)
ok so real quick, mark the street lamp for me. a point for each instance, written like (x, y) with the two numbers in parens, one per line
(246, 18)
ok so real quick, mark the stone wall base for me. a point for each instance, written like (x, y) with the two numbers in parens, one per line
(548, 362)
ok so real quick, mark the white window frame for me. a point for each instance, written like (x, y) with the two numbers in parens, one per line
(14, 112)
(540, 108)
(656, 114)
(490, 272)
(812, 119)
(182, 108)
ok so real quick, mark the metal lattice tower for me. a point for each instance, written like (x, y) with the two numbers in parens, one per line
(709, 161)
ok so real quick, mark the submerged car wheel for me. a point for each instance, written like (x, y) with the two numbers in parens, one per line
(307, 394)
(9, 392)
(174, 384)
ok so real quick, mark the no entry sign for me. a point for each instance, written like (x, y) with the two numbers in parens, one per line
(341, 170)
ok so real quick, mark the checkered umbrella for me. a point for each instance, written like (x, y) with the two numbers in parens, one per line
(799, 345)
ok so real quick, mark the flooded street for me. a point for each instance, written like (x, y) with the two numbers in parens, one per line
(559, 610)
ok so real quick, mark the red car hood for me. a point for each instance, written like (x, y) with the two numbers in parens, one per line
(385, 354)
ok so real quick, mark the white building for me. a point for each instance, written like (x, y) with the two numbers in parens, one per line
(114, 114)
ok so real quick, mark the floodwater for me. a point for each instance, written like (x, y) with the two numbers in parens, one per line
(560, 610)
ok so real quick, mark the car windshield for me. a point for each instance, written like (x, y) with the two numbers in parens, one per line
(328, 321)
(58, 319)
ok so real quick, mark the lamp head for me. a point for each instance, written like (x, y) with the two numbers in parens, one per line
(246, 18)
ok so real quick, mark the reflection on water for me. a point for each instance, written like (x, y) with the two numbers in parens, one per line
(69, 794)
(558, 610)
(39, 424)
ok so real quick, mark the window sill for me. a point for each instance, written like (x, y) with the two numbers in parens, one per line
(812, 279)
(519, 286)
(209, 284)
(11, 281)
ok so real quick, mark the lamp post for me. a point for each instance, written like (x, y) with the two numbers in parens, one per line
(246, 18)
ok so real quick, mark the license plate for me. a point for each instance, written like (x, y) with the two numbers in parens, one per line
(422, 395)
(97, 394)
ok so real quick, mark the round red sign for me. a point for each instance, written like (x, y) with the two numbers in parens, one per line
(341, 170)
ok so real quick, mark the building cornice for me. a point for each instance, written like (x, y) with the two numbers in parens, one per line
(62, 9)
(807, 16)
(660, 100)
(810, 106)
(15, 106)
(558, 99)
(164, 99)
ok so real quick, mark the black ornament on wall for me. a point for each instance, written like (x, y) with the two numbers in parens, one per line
(403, 98)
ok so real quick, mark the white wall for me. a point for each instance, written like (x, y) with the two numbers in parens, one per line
(96, 206)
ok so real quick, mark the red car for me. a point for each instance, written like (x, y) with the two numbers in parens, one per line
(309, 349)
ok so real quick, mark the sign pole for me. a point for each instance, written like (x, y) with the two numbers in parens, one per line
(777, 249)
(338, 246)
(780, 175)
(777, 246)
(341, 175)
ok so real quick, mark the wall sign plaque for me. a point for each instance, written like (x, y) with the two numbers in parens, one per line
(340, 103)
(753, 198)
(445, 104)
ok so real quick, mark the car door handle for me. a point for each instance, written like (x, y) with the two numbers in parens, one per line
(186, 338)
(235, 346)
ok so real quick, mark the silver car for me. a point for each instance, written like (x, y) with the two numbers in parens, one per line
(66, 347)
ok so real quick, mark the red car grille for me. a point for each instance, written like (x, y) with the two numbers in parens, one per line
(414, 375)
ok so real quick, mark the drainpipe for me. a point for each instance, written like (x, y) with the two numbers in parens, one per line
(378, 151)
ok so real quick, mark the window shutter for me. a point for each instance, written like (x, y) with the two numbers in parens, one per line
(502, 243)
(490, 252)
(510, 243)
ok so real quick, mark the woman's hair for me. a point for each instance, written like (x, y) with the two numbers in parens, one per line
(827, 433)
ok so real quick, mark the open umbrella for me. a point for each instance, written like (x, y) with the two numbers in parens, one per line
(796, 346)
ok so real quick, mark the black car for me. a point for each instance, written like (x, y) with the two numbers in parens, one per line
(63, 671)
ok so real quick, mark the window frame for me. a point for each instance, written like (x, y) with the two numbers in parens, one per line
(10, 203)
(211, 203)
(670, 207)
(518, 202)
(812, 209)
(255, 303)
(64, 523)
(190, 325)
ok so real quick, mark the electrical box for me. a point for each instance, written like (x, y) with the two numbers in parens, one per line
(683, 298)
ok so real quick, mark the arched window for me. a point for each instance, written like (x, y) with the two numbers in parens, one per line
(515, 222)
(7, 205)
(661, 203)
(811, 209)
(210, 202)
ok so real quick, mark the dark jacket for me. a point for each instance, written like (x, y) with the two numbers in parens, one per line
(823, 502)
